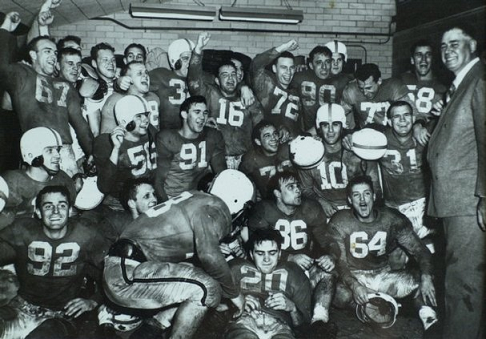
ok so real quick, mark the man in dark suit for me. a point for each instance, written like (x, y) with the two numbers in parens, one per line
(457, 158)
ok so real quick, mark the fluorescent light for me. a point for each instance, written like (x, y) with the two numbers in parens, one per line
(172, 12)
(282, 16)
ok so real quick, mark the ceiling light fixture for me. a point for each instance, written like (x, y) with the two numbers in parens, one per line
(269, 15)
(172, 12)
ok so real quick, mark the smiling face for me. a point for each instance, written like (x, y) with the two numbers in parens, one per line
(284, 69)
(52, 159)
(140, 79)
(134, 54)
(266, 256)
(227, 79)
(144, 198)
(456, 49)
(44, 58)
(185, 58)
(401, 120)
(70, 67)
(196, 117)
(422, 60)
(369, 87)
(321, 65)
(141, 124)
(240, 71)
(106, 64)
(54, 213)
(269, 140)
(331, 132)
(337, 63)
(362, 200)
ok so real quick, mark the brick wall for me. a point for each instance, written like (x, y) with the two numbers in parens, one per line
(352, 21)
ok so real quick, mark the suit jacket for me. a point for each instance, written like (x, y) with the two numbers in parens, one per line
(457, 150)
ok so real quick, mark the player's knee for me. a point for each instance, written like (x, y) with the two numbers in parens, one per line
(53, 328)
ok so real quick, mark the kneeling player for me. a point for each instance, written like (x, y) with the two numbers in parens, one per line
(277, 293)
(366, 236)
(146, 268)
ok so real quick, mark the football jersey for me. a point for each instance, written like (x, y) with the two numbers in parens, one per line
(186, 226)
(172, 92)
(234, 120)
(23, 192)
(108, 121)
(260, 168)
(281, 106)
(404, 171)
(366, 246)
(51, 271)
(136, 159)
(366, 111)
(183, 162)
(328, 180)
(306, 224)
(424, 93)
(287, 278)
(43, 101)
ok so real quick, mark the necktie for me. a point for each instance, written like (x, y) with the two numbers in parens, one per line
(450, 92)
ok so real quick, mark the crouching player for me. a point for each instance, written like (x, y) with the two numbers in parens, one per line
(277, 294)
(147, 268)
(366, 236)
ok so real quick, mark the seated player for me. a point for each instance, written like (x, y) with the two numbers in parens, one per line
(148, 269)
(128, 152)
(40, 151)
(277, 293)
(366, 235)
(186, 155)
(266, 157)
(327, 181)
(302, 224)
(51, 255)
(226, 109)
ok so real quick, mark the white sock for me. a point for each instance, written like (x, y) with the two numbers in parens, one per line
(428, 316)
(320, 314)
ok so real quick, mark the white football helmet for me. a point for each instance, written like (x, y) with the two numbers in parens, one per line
(176, 48)
(369, 144)
(330, 113)
(128, 107)
(306, 152)
(381, 310)
(4, 193)
(338, 47)
(90, 196)
(234, 188)
(34, 141)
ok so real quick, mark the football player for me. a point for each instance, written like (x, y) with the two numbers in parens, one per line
(366, 235)
(128, 151)
(40, 151)
(281, 104)
(38, 98)
(265, 158)
(226, 110)
(189, 153)
(424, 89)
(339, 56)
(277, 293)
(147, 267)
(327, 181)
(51, 254)
(367, 99)
(139, 85)
(135, 52)
(170, 84)
(302, 224)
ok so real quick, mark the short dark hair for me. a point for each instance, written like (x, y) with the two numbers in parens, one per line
(129, 190)
(61, 53)
(319, 50)
(32, 45)
(101, 46)
(274, 182)
(225, 62)
(61, 42)
(196, 99)
(139, 46)
(261, 235)
(257, 130)
(52, 189)
(398, 103)
(285, 54)
(126, 67)
(420, 43)
(359, 179)
(366, 70)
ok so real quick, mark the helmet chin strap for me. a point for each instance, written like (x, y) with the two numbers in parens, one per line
(50, 171)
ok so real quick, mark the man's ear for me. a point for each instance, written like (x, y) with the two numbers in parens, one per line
(251, 255)
(274, 69)
(131, 204)
(258, 142)
(94, 64)
(311, 66)
(33, 56)
(350, 201)
(473, 45)
(216, 80)
(412, 61)
(379, 81)
(38, 213)
(277, 193)
(184, 114)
